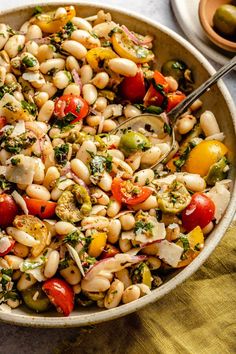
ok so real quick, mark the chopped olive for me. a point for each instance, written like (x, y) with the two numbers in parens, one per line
(174, 68)
(132, 142)
(217, 172)
(36, 299)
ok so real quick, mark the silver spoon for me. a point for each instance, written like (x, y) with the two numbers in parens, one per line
(158, 122)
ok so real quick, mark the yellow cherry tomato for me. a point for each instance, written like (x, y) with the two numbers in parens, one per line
(98, 57)
(126, 48)
(204, 155)
(97, 244)
(49, 24)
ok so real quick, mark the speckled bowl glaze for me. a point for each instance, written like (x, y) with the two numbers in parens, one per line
(167, 45)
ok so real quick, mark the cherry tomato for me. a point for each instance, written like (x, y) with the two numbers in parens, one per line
(154, 97)
(12, 243)
(41, 208)
(3, 122)
(8, 210)
(199, 212)
(174, 99)
(133, 88)
(60, 294)
(128, 192)
(73, 104)
(109, 251)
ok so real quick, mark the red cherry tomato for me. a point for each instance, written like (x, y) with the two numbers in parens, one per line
(41, 208)
(73, 104)
(133, 88)
(12, 243)
(109, 251)
(128, 192)
(8, 210)
(199, 212)
(60, 294)
(154, 97)
(174, 99)
(3, 122)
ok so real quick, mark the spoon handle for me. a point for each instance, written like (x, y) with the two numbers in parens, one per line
(182, 106)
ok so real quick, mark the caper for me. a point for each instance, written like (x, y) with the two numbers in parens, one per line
(174, 68)
(36, 299)
(132, 142)
(224, 20)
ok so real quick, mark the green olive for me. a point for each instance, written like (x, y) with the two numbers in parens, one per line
(174, 68)
(174, 199)
(132, 142)
(36, 299)
(217, 172)
(224, 19)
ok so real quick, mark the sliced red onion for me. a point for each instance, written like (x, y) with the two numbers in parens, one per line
(66, 169)
(147, 39)
(44, 40)
(76, 78)
(80, 182)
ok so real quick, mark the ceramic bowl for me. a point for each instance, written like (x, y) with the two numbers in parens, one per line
(167, 45)
(207, 9)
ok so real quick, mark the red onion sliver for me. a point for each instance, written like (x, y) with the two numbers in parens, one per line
(76, 78)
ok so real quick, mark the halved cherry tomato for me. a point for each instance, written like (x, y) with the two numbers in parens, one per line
(8, 210)
(3, 122)
(12, 243)
(109, 251)
(128, 192)
(154, 97)
(41, 208)
(174, 98)
(199, 212)
(60, 294)
(133, 88)
(73, 104)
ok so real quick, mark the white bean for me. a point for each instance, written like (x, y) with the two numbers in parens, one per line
(52, 264)
(62, 79)
(114, 294)
(25, 281)
(81, 170)
(71, 274)
(37, 191)
(123, 275)
(22, 237)
(101, 80)
(90, 93)
(93, 121)
(86, 149)
(51, 176)
(60, 12)
(34, 32)
(185, 124)
(127, 221)
(32, 47)
(56, 193)
(208, 228)
(46, 111)
(116, 153)
(114, 230)
(18, 95)
(86, 74)
(193, 182)
(52, 64)
(38, 171)
(109, 125)
(124, 244)
(172, 83)
(4, 156)
(130, 294)
(144, 177)
(10, 79)
(4, 35)
(49, 88)
(113, 208)
(85, 38)
(196, 105)
(81, 23)
(72, 89)
(89, 130)
(123, 66)
(131, 111)
(98, 210)
(74, 48)
(20, 250)
(96, 284)
(151, 156)
(144, 289)
(72, 64)
(14, 45)
(25, 26)
(99, 196)
(13, 261)
(40, 98)
(149, 203)
(64, 228)
(95, 222)
(45, 52)
(105, 182)
(209, 123)
(2, 75)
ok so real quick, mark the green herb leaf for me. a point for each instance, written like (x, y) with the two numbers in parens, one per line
(30, 107)
(61, 153)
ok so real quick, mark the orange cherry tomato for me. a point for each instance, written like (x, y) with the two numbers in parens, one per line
(156, 97)
(174, 99)
(41, 208)
(133, 88)
(128, 192)
(71, 104)
(8, 210)
(109, 251)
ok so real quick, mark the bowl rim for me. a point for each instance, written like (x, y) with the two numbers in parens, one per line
(29, 320)
(210, 32)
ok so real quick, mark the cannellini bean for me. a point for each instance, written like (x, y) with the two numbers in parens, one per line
(172, 83)
(144, 177)
(13, 261)
(72, 63)
(51, 176)
(85, 38)
(208, 228)
(38, 171)
(209, 123)
(113, 110)
(81, 23)
(25, 26)
(72, 89)
(86, 149)
(89, 130)
(185, 124)
(86, 74)
(196, 105)
(4, 156)
(103, 29)
(46, 111)
(105, 182)
(127, 221)
(4, 35)
(108, 125)
(5, 60)
(64, 228)
(114, 230)
(164, 147)
(52, 263)
(151, 156)
(56, 193)
(40, 98)
(32, 47)
(130, 294)
(45, 52)
(62, 79)
(98, 210)
(22, 237)
(74, 48)
(95, 222)
(131, 111)
(114, 294)
(34, 32)
(71, 274)
(10, 79)
(37, 191)
(100, 104)
(100, 196)
(119, 166)
(3, 72)
(193, 182)
(93, 121)
(113, 208)
(151, 250)
(14, 45)
(60, 12)
(96, 284)
(123, 276)
(123, 66)
(149, 203)
(52, 64)
(20, 250)
(112, 140)
(116, 153)
(25, 282)
(49, 88)
(81, 170)
(124, 244)
(90, 93)
(19, 96)
(101, 80)
(144, 289)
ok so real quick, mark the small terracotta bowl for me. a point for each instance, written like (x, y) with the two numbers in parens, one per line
(206, 11)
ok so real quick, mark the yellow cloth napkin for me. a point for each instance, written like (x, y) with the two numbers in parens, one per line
(199, 317)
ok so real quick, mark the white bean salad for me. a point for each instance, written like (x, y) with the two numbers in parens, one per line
(84, 219)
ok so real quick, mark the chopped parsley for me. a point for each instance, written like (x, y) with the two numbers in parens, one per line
(30, 107)
(183, 157)
(73, 238)
(62, 122)
(29, 62)
(142, 227)
(183, 238)
(59, 37)
(18, 143)
(37, 10)
(15, 161)
(160, 88)
(5, 186)
(61, 154)
(99, 164)
(150, 109)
